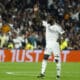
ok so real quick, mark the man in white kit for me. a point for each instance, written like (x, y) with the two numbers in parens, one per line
(53, 33)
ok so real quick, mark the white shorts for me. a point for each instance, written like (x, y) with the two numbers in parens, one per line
(52, 47)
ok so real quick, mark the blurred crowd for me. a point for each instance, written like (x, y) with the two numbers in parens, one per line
(20, 26)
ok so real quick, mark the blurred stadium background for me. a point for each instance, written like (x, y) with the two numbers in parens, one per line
(19, 19)
(22, 38)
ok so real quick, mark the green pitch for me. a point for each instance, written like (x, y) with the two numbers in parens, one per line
(29, 71)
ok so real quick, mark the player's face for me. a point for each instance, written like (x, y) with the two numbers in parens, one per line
(50, 20)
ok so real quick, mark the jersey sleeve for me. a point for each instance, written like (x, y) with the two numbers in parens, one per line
(57, 28)
(60, 30)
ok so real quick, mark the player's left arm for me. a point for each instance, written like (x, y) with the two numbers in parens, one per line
(62, 34)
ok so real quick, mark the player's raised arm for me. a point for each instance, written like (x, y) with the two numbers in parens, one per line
(44, 23)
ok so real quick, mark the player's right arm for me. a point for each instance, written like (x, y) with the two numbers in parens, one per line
(44, 23)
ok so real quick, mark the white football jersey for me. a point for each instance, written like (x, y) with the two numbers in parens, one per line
(52, 31)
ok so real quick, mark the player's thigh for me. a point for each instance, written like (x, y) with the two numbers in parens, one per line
(48, 49)
(56, 49)
(56, 52)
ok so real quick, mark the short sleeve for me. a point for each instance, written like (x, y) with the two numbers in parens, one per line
(57, 28)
